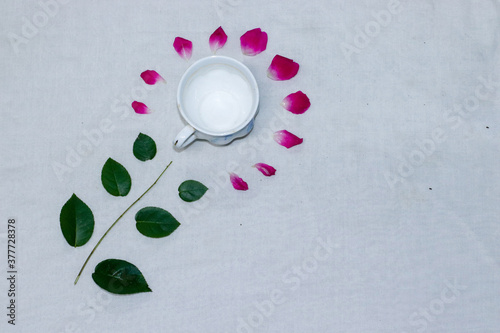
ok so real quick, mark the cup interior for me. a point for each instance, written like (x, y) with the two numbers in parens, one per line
(218, 95)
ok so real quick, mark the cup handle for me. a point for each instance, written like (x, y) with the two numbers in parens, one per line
(185, 137)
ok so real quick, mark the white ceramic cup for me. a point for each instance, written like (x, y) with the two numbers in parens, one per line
(218, 97)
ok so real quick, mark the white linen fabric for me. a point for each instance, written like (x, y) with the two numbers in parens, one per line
(385, 219)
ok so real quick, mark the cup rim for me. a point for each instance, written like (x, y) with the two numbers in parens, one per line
(213, 60)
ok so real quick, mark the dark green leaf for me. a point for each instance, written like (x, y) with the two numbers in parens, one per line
(115, 178)
(155, 222)
(144, 147)
(77, 221)
(119, 277)
(191, 190)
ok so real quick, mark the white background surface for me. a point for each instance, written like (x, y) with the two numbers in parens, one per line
(396, 246)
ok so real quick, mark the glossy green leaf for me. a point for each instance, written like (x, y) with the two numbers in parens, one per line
(144, 147)
(191, 190)
(115, 178)
(77, 221)
(119, 277)
(155, 222)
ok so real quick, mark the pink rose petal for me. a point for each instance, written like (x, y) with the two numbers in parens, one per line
(296, 103)
(287, 139)
(238, 183)
(183, 47)
(151, 77)
(217, 40)
(266, 169)
(140, 108)
(253, 42)
(282, 68)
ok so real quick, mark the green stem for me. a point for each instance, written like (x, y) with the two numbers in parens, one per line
(118, 219)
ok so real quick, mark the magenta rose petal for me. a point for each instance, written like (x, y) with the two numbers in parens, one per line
(296, 103)
(253, 42)
(140, 108)
(266, 169)
(287, 139)
(183, 47)
(238, 183)
(282, 68)
(217, 40)
(151, 77)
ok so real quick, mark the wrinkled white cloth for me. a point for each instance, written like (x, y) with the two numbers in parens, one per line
(385, 219)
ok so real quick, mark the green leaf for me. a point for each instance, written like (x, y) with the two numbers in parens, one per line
(77, 221)
(119, 277)
(191, 190)
(115, 178)
(144, 147)
(155, 222)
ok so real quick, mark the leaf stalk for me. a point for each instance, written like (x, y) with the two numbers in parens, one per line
(118, 219)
